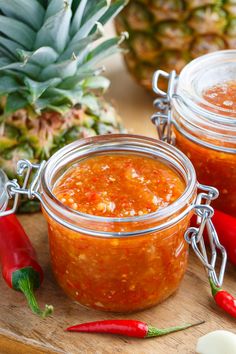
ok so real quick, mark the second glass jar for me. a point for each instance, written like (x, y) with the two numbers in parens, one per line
(204, 131)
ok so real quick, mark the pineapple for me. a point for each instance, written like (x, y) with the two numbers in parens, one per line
(167, 34)
(51, 90)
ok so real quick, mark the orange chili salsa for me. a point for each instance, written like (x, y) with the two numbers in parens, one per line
(119, 186)
(127, 273)
(215, 167)
(223, 96)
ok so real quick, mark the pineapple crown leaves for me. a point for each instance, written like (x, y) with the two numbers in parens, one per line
(48, 59)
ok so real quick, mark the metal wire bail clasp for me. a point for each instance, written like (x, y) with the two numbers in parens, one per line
(194, 235)
(162, 118)
(31, 175)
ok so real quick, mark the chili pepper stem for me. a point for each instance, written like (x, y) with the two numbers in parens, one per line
(214, 288)
(157, 332)
(25, 285)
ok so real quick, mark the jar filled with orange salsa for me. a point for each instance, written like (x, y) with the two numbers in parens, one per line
(119, 249)
(201, 119)
(118, 208)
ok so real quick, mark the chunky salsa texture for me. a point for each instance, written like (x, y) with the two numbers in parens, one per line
(119, 186)
(223, 96)
(119, 274)
(214, 167)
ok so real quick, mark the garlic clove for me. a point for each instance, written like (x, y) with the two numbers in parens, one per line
(217, 342)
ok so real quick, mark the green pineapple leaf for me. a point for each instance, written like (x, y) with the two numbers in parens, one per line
(112, 11)
(17, 31)
(14, 102)
(55, 6)
(8, 85)
(96, 82)
(62, 70)
(5, 53)
(36, 89)
(101, 52)
(91, 103)
(74, 81)
(4, 62)
(60, 108)
(10, 46)
(41, 104)
(44, 3)
(43, 56)
(89, 20)
(79, 7)
(30, 70)
(79, 46)
(30, 12)
(63, 48)
(55, 104)
(71, 96)
(55, 31)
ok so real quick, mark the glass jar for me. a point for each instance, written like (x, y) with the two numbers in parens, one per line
(118, 264)
(206, 133)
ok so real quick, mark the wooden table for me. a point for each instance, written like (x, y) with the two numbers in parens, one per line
(23, 333)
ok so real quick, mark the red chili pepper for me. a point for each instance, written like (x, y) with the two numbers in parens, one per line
(223, 299)
(130, 328)
(20, 268)
(225, 226)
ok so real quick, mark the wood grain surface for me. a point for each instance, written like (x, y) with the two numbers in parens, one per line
(21, 332)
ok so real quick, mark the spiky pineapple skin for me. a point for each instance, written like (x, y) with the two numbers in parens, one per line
(167, 34)
(37, 138)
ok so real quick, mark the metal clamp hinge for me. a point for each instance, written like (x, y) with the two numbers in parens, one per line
(194, 236)
(162, 118)
(31, 174)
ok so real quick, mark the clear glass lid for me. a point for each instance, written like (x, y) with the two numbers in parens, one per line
(3, 196)
(208, 71)
(200, 113)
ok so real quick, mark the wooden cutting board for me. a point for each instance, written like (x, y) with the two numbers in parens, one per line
(21, 332)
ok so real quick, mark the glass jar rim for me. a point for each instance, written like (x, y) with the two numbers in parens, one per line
(191, 117)
(3, 196)
(187, 89)
(106, 144)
